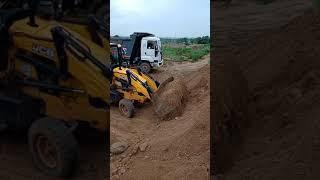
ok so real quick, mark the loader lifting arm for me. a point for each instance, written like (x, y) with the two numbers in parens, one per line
(64, 39)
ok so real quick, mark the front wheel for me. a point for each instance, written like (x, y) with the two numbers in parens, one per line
(126, 108)
(53, 147)
(145, 67)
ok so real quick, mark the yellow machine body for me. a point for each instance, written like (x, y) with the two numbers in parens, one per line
(84, 76)
(136, 91)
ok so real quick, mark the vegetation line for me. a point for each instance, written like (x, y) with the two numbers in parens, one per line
(186, 49)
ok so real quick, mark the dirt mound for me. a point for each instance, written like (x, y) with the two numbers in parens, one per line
(170, 100)
(282, 55)
(282, 70)
(199, 79)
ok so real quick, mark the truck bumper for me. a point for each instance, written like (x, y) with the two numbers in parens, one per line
(157, 64)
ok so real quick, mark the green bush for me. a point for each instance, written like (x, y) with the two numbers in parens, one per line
(193, 53)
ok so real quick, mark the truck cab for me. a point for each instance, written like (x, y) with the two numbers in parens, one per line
(151, 51)
(142, 50)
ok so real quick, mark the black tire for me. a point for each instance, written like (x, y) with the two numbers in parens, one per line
(126, 108)
(145, 67)
(63, 147)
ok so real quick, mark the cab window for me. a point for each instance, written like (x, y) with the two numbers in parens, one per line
(150, 45)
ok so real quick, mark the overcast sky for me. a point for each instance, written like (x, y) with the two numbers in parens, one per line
(164, 18)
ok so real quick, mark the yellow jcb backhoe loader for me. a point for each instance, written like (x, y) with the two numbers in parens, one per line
(130, 85)
(52, 80)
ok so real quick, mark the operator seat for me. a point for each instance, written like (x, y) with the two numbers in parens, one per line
(7, 18)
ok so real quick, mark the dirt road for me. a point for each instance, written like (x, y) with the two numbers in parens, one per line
(175, 149)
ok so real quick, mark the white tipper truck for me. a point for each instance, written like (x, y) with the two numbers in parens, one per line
(142, 49)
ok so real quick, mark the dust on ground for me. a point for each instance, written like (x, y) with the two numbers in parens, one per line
(282, 71)
(175, 149)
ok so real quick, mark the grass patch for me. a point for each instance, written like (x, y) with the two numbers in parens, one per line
(185, 53)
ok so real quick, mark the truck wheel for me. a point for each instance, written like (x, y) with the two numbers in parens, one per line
(53, 147)
(126, 108)
(145, 67)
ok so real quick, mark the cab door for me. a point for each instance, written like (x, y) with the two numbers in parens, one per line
(150, 49)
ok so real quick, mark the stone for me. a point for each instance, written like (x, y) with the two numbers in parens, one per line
(118, 147)
(114, 171)
(125, 160)
(166, 149)
(143, 147)
(122, 170)
(115, 177)
(135, 150)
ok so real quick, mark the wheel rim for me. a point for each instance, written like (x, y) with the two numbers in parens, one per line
(46, 151)
(124, 109)
(144, 68)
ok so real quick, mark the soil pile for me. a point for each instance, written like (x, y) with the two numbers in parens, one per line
(169, 101)
(282, 69)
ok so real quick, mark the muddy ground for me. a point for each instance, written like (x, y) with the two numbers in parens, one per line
(174, 149)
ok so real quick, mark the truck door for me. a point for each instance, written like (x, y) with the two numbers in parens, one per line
(150, 51)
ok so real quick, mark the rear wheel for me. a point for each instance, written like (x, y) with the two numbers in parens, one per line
(53, 147)
(145, 67)
(126, 108)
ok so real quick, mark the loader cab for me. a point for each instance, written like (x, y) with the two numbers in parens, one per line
(117, 54)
